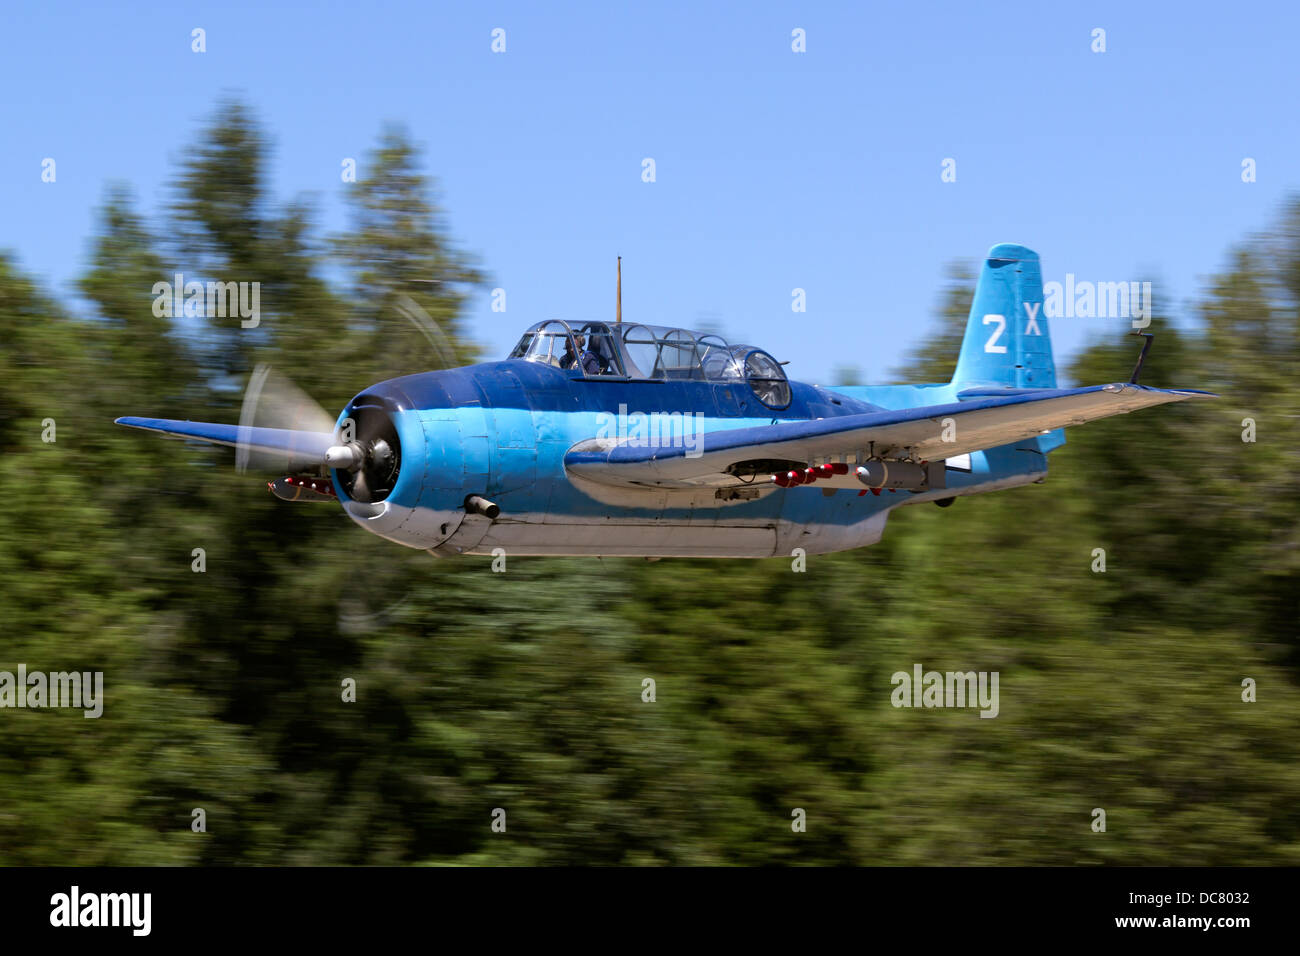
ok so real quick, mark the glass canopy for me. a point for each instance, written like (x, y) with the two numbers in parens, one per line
(655, 352)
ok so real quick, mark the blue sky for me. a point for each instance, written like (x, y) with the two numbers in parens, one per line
(775, 170)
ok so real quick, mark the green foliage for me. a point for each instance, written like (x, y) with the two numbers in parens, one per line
(934, 358)
(523, 690)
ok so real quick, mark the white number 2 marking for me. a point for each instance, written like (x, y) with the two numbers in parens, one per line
(1001, 322)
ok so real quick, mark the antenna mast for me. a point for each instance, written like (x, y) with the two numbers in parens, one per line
(618, 307)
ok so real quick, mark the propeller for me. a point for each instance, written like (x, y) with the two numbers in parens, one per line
(367, 452)
(272, 400)
(409, 309)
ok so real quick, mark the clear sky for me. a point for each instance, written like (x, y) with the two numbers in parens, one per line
(775, 170)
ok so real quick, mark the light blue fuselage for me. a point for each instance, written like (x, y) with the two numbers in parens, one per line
(501, 430)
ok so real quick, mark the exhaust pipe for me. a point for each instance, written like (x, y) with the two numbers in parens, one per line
(478, 505)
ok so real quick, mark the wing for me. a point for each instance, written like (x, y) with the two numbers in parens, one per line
(297, 449)
(987, 419)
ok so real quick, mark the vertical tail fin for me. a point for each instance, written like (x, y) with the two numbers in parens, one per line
(1007, 341)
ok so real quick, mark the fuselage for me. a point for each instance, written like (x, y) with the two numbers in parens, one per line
(500, 430)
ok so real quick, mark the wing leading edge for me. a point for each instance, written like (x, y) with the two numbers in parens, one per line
(295, 448)
(976, 424)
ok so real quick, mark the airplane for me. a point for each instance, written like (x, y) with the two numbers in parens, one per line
(630, 440)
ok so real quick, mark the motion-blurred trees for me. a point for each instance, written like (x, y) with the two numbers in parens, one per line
(934, 357)
(523, 690)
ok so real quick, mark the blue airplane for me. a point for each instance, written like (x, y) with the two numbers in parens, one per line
(623, 439)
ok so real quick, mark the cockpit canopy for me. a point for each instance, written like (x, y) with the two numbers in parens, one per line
(634, 351)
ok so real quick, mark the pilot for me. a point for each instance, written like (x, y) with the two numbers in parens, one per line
(588, 359)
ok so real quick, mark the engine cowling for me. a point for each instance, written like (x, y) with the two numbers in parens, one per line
(402, 473)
